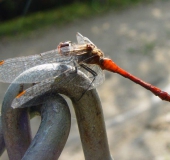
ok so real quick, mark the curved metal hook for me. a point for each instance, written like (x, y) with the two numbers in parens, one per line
(89, 116)
(2, 143)
(53, 131)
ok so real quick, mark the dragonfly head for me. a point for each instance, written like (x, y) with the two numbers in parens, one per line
(64, 47)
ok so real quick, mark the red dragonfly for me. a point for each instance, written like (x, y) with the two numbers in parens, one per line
(84, 54)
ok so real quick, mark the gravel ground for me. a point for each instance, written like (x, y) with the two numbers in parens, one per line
(137, 39)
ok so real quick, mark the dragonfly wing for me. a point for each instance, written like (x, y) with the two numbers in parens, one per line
(11, 68)
(51, 83)
(32, 93)
(88, 40)
(100, 78)
(96, 80)
(82, 40)
(41, 72)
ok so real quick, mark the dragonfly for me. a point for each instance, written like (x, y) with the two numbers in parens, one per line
(82, 55)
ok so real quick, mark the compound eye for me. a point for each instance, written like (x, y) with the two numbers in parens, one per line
(65, 48)
(65, 44)
(69, 42)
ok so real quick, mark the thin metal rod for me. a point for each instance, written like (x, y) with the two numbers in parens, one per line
(92, 126)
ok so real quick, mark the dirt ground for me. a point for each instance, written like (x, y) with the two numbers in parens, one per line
(138, 40)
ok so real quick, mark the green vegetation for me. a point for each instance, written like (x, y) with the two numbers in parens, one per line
(61, 16)
(146, 48)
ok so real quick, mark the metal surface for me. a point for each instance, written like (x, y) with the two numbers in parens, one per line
(15, 126)
(88, 111)
(53, 131)
(92, 126)
(2, 143)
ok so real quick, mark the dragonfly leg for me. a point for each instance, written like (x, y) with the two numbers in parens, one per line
(94, 76)
(21, 88)
(75, 71)
(75, 66)
(88, 69)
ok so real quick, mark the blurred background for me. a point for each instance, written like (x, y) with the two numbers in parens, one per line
(134, 33)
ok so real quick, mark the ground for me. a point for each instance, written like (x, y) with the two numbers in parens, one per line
(138, 40)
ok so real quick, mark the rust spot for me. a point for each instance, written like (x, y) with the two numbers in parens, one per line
(2, 62)
(20, 94)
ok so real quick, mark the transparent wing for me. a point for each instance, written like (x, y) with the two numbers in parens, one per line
(32, 92)
(11, 68)
(82, 40)
(41, 72)
(54, 83)
(97, 80)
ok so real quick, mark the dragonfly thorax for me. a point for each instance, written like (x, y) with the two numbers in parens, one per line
(84, 53)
